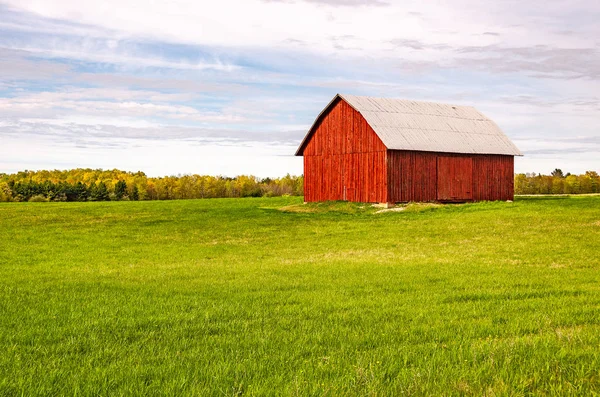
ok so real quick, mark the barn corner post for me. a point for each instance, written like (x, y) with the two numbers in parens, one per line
(388, 199)
(385, 151)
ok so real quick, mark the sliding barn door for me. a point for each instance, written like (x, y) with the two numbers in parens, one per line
(454, 179)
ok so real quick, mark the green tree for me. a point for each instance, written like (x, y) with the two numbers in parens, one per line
(81, 192)
(92, 192)
(594, 181)
(100, 193)
(558, 185)
(135, 194)
(5, 192)
(120, 190)
(572, 185)
(520, 184)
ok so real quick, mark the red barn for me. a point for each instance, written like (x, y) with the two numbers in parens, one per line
(381, 150)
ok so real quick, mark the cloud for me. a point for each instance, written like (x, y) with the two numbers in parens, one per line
(591, 104)
(338, 3)
(560, 145)
(100, 135)
(583, 140)
(110, 52)
(573, 150)
(539, 60)
(15, 65)
(111, 109)
(16, 20)
(161, 83)
(417, 45)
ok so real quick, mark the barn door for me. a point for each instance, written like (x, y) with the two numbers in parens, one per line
(454, 179)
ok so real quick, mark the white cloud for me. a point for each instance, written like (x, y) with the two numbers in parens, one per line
(101, 103)
(15, 66)
(108, 52)
(266, 24)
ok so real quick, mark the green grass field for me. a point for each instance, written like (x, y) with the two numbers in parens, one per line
(272, 297)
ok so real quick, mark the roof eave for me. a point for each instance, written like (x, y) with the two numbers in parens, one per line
(403, 149)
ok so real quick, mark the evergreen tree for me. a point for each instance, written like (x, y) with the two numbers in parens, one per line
(93, 192)
(135, 194)
(81, 192)
(102, 192)
(120, 189)
(70, 192)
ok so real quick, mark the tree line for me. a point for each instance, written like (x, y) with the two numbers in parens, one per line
(84, 184)
(557, 183)
(103, 185)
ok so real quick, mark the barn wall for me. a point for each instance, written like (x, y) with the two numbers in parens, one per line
(344, 159)
(413, 176)
(493, 177)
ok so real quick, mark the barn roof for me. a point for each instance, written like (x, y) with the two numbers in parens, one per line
(426, 126)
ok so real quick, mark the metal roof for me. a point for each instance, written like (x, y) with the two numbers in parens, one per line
(426, 126)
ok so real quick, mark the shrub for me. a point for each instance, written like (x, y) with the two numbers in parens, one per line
(38, 198)
(5, 192)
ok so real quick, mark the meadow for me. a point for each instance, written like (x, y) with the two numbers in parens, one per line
(268, 296)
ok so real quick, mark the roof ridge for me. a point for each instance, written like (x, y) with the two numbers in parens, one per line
(426, 114)
(438, 130)
(406, 100)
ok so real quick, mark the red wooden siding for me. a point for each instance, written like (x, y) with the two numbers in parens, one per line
(454, 178)
(493, 177)
(412, 176)
(427, 176)
(344, 159)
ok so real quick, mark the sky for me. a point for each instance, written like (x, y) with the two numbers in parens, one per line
(231, 87)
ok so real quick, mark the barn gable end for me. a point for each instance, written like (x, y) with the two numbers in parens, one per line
(343, 158)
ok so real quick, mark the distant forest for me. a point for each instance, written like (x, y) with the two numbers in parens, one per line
(557, 183)
(114, 185)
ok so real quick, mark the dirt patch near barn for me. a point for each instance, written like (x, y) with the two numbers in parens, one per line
(345, 207)
(395, 209)
(342, 207)
(411, 207)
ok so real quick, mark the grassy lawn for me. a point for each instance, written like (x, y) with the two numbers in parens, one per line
(271, 297)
